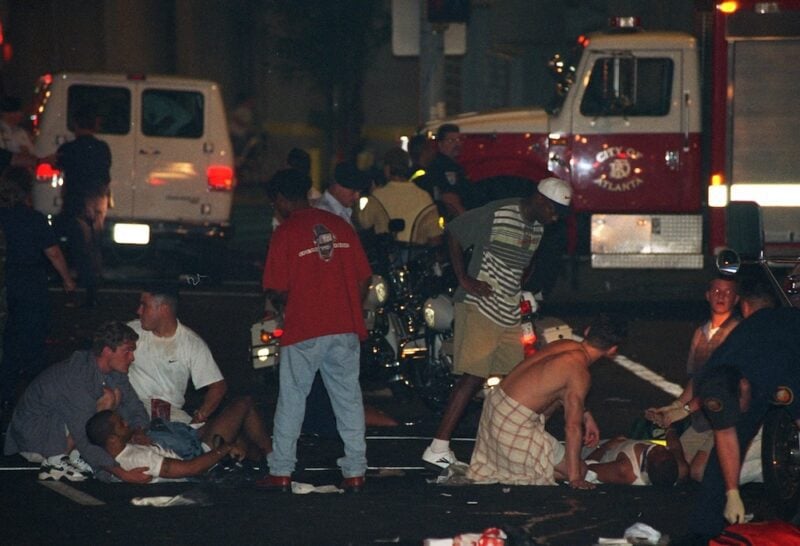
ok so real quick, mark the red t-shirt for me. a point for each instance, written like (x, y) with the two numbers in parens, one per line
(316, 258)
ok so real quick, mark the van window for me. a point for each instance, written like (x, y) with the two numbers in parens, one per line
(167, 113)
(629, 86)
(111, 105)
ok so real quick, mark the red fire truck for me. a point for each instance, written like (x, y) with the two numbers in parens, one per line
(655, 151)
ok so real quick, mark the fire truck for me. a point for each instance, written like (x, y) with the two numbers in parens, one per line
(658, 131)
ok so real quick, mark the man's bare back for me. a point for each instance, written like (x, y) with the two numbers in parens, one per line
(545, 378)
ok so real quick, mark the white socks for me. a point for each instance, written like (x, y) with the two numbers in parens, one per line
(440, 446)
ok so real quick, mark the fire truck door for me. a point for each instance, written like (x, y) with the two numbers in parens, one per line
(635, 127)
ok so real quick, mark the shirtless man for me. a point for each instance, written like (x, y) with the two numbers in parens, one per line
(513, 446)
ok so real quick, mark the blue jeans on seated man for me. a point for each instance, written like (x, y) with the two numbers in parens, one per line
(179, 437)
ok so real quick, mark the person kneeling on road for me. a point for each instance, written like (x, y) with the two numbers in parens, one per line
(512, 445)
(237, 431)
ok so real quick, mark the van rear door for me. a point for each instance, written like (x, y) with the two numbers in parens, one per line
(175, 149)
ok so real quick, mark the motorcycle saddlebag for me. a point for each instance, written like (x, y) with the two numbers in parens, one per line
(765, 533)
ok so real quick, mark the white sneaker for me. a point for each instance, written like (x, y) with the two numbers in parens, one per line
(442, 460)
(60, 468)
(77, 462)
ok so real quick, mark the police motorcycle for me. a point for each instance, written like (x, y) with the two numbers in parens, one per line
(406, 275)
(425, 285)
(780, 447)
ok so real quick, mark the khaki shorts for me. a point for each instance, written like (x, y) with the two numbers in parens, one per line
(693, 441)
(483, 347)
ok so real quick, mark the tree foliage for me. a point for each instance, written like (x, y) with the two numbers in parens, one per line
(332, 42)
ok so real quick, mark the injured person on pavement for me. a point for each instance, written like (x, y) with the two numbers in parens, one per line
(237, 432)
(630, 462)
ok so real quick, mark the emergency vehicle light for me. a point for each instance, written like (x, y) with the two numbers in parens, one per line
(628, 22)
(46, 173)
(220, 178)
(717, 192)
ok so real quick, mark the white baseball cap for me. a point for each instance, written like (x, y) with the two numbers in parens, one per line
(557, 190)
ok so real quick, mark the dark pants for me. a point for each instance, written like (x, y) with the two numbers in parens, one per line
(706, 518)
(82, 248)
(24, 336)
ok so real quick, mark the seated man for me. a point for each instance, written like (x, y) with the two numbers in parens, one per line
(167, 355)
(49, 420)
(693, 445)
(513, 446)
(631, 462)
(400, 198)
(238, 431)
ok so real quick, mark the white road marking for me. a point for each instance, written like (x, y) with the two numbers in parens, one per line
(644, 373)
(71, 493)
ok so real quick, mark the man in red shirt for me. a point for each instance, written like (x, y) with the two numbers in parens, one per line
(317, 274)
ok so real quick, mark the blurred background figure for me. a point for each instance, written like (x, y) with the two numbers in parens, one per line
(31, 246)
(13, 137)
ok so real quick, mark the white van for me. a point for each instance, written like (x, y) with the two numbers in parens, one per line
(172, 169)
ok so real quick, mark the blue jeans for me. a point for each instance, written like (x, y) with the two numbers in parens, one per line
(337, 359)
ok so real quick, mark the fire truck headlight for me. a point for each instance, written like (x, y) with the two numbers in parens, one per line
(717, 196)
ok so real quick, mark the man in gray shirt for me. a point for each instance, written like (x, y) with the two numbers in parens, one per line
(49, 421)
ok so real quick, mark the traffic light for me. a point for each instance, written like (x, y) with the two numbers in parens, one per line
(448, 11)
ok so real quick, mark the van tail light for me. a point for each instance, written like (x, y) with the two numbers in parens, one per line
(47, 174)
(220, 178)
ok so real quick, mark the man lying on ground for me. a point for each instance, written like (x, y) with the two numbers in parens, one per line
(631, 462)
(237, 431)
(513, 446)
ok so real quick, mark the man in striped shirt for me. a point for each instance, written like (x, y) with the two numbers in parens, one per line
(504, 236)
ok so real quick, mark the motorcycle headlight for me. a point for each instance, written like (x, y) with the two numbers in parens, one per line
(378, 293)
(438, 313)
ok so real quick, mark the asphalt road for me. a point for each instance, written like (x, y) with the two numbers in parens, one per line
(400, 504)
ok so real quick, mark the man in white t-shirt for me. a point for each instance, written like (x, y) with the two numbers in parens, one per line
(168, 354)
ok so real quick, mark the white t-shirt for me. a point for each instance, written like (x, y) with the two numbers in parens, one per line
(163, 366)
(152, 456)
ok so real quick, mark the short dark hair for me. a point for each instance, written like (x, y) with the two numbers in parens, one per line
(300, 160)
(607, 330)
(112, 334)
(99, 428)
(662, 468)
(290, 183)
(16, 184)
(445, 129)
(166, 292)
(756, 291)
(398, 162)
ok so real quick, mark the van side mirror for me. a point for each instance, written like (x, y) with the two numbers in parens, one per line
(745, 228)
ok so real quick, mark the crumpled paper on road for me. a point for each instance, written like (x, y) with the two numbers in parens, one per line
(454, 474)
(194, 497)
(638, 533)
(299, 488)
